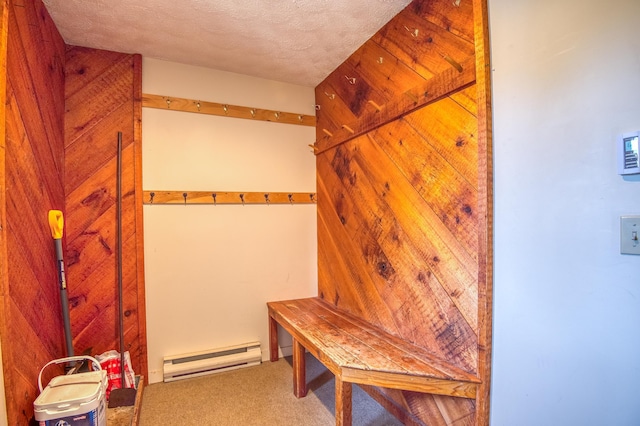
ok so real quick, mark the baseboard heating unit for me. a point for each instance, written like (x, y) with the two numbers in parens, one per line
(197, 364)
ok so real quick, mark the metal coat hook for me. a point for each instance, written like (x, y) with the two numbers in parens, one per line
(375, 105)
(300, 118)
(451, 61)
(277, 114)
(456, 3)
(157, 197)
(198, 105)
(380, 60)
(331, 96)
(414, 32)
(253, 113)
(225, 107)
(348, 129)
(351, 80)
(168, 103)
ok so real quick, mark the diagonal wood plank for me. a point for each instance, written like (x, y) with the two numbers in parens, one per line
(31, 158)
(103, 97)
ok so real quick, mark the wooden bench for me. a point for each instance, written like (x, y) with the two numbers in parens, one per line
(358, 352)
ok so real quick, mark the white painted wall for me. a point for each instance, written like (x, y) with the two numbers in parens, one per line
(210, 270)
(566, 81)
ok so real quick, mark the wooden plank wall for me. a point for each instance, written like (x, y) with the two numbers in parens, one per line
(403, 195)
(103, 97)
(56, 159)
(32, 172)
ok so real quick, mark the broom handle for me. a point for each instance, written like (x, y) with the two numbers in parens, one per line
(65, 300)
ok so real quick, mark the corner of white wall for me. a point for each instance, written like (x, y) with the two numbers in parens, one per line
(566, 79)
(210, 270)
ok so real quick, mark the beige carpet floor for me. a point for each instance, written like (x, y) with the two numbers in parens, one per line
(260, 395)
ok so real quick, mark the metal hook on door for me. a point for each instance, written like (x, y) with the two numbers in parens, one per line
(414, 32)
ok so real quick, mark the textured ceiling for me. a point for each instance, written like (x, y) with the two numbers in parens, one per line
(295, 41)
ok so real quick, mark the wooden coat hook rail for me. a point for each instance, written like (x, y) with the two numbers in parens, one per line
(225, 110)
(213, 197)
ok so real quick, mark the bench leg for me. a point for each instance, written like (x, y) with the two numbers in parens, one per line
(299, 370)
(343, 402)
(273, 339)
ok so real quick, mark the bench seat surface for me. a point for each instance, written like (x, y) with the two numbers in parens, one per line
(362, 353)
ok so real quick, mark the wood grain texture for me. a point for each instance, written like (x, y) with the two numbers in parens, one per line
(225, 110)
(31, 173)
(103, 97)
(274, 355)
(485, 197)
(362, 353)
(358, 352)
(220, 197)
(140, 295)
(388, 398)
(443, 84)
(426, 47)
(299, 370)
(410, 255)
(458, 19)
(343, 407)
(9, 377)
(404, 194)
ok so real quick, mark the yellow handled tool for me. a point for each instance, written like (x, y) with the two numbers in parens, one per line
(56, 223)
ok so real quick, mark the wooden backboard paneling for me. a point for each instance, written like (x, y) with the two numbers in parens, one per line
(103, 98)
(403, 207)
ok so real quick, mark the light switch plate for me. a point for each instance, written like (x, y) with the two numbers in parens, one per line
(630, 234)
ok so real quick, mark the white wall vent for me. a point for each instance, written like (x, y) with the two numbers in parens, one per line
(197, 364)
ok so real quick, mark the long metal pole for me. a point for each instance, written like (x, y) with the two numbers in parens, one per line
(119, 236)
